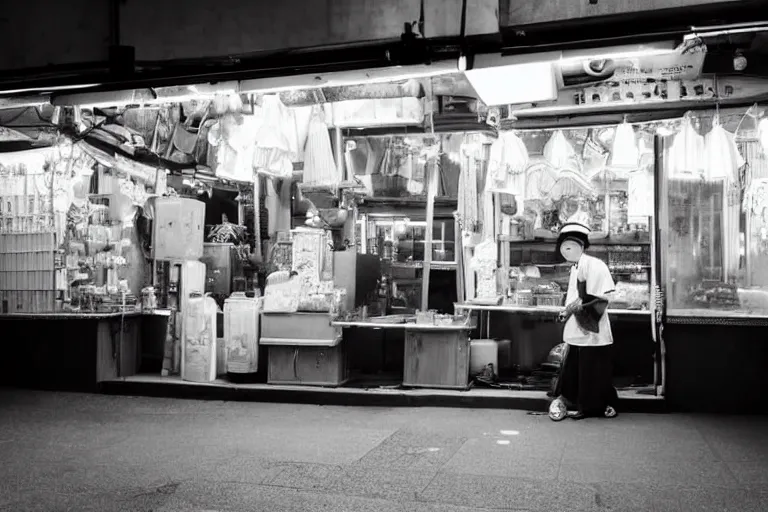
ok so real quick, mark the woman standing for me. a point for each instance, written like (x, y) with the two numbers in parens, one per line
(585, 380)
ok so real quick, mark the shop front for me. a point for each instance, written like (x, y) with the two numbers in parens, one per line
(372, 238)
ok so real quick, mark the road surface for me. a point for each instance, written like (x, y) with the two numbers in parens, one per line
(83, 453)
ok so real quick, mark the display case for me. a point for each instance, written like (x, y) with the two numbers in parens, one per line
(580, 180)
(400, 244)
(715, 225)
(537, 277)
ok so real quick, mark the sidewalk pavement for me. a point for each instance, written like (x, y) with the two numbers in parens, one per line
(79, 452)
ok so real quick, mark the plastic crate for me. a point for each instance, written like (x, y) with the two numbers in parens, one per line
(550, 299)
(521, 299)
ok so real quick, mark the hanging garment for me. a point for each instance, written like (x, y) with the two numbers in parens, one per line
(205, 154)
(722, 158)
(570, 182)
(415, 185)
(467, 200)
(756, 197)
(233, 138)
(595, 154)
(301, 117)
(686, 155)
(506, 165)
(273, 155)
(762, 134)
(722, 163)
(624, 152)
(558, 151)
(319, 164)
(640, 193)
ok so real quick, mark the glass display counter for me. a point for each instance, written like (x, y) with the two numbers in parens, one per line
(716, 234)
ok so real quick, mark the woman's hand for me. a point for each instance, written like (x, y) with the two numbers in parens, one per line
(573, 307)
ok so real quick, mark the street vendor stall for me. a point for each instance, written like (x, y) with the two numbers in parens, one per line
(402, 233)
(601, 176)
(71, 266)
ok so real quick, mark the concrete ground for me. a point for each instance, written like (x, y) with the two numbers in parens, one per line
(78, 452)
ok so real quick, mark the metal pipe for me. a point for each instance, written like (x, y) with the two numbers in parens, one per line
(338, 140)
(726, 30)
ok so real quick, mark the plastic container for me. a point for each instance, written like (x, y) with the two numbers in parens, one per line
(241, 333)
(505, 354)
(549, 299)
(481, 354)
(198, 358)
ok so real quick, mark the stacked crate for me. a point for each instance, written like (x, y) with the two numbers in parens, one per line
(27, 242)
(27, 272)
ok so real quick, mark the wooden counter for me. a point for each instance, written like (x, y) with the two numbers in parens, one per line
(436, 356)
(304, 349)
(73, 351)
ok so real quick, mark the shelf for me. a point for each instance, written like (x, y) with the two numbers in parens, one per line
(628, 268)
(553, 242)
(404, 326)
(533, 310)
(434, 265)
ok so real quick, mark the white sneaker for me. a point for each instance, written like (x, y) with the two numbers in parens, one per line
(557, 410)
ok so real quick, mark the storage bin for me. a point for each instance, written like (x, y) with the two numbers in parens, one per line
(241, 333)
(177, 229)
(549, 299)
(198, 358)
(308, 365)
(481, 354)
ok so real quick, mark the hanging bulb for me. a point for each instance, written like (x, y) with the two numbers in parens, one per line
(739, 61)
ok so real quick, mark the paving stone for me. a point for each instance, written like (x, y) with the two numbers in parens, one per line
(751, 474)
(384, 483)
(308, 476)
(712, 473)
(660, 498)
(517, 459)
(79, 452)
(411, 449)
(509, 493)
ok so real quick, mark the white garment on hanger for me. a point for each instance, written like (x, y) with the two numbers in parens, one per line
(722, 158)
(319, 164)
(301, 117)
(762, 131)
(233, 135)
(686, 156)
(273, 155)
(624, 151)
(506, 164)
(558, 151)
(640, 193)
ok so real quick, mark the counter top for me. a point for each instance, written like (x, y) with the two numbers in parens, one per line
(408, 326)
(716, 317)
(76, 315)
(534, 310)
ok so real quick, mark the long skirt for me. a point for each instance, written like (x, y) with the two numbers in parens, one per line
(586, 379)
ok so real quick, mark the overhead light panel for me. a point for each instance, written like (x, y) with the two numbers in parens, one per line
(501, 80)
(346, 78)
(146, 96)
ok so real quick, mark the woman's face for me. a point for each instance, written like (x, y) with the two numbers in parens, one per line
(571, 251)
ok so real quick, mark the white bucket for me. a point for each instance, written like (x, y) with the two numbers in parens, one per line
(481, 354)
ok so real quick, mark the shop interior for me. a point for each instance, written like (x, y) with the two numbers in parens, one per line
(398, 234)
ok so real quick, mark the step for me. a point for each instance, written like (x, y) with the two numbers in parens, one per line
(483, 398)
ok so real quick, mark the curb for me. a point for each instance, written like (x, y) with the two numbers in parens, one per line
(529, 401)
